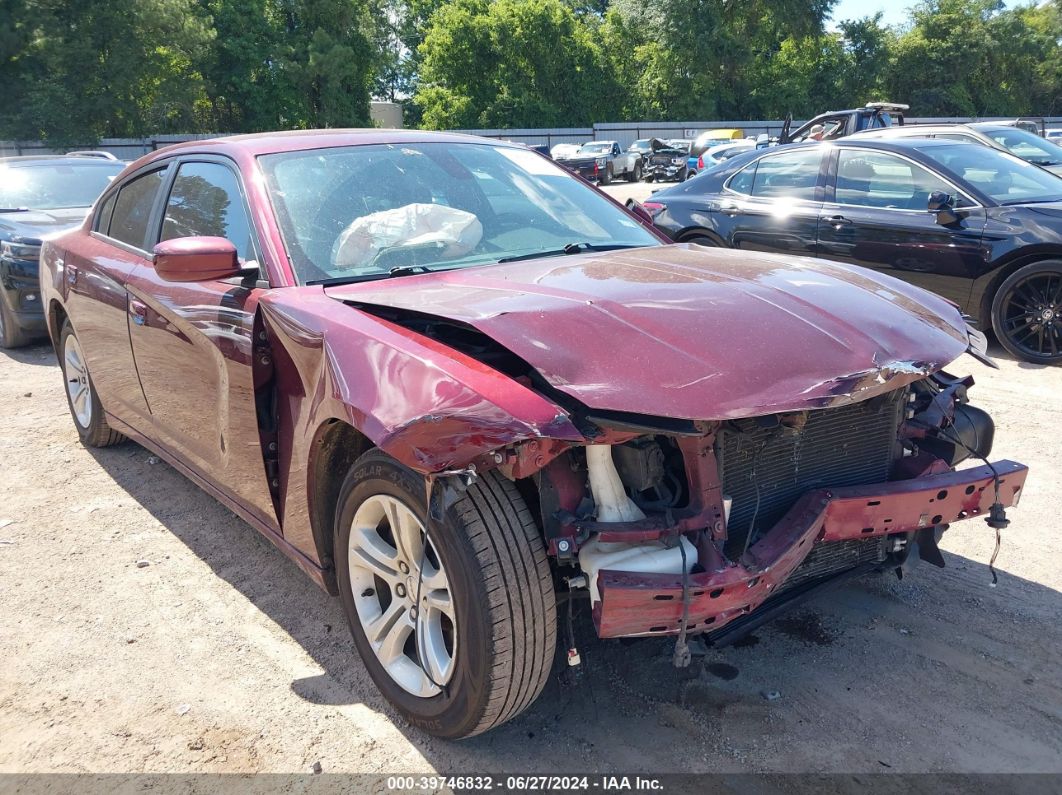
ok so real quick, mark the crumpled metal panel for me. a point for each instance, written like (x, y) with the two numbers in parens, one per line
(684, 332)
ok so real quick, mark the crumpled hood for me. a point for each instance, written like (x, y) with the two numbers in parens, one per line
(694, 333)
(38, 224)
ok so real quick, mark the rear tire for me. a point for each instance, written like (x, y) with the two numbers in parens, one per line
(702, 241)
(11, 333)
(81, 397)
(493, 651)
(1027, 312)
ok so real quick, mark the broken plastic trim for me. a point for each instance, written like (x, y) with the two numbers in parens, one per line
(978, 347)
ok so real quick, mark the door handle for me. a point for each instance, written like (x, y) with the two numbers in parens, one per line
(138, 311)
(730, 209)
(838, 220)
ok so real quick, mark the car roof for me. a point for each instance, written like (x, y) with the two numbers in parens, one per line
(907, 130)
(869, 142)
(255, 144)
(23, 161)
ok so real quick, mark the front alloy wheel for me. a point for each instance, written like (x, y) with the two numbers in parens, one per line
(1027, 313)
(402, 595)
(457, 625)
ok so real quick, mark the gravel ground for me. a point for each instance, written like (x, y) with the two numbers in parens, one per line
(219, 655)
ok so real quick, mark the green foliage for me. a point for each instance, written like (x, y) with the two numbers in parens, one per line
(77, 70)
(511, 63)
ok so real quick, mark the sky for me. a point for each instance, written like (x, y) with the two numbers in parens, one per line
(894, 12)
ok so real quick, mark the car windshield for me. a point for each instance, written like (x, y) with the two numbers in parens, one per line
(1027, 146)
(1004, 178)
(54, 184)
(597, 148)
(361, 212)
(642, 145)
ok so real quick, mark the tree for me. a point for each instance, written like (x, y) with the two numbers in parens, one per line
(510, 63)
(86, 69)
(968, 58)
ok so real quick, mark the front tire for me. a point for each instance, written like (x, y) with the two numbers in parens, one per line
(1027, 312)
(477, 647)
(81, 396)
(636, 174)
(606, 177)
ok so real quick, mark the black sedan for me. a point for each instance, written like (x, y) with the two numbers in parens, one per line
(39, 196)
(976, 225)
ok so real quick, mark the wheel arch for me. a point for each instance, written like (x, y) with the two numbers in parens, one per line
(55, 318)
(983, 302)
(335, 448)
(686, 235)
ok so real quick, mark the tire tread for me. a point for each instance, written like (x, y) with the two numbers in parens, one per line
(519, 592)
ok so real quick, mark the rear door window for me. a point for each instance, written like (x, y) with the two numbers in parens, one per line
(789, 175)
(132, 209)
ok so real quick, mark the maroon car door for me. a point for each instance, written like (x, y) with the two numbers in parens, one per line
(95, 270)
(193, 342)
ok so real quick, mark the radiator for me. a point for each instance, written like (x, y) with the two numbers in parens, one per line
(785, 456)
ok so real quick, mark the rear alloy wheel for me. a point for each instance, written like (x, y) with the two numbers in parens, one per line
(11, 334)
(636, 174)
(81, 395)
(1027, 313)
(457, 629)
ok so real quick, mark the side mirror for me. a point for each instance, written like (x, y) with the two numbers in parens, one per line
(196, 259)
(942, 205)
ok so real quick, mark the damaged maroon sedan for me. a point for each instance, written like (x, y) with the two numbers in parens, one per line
(455, 384)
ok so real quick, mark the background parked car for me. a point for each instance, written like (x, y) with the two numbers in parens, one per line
(40, 196)
(1005, 137)
(717, 154)
(603, 161)
(840, 123)
(560, 151)
(665, 162)
(974, 224)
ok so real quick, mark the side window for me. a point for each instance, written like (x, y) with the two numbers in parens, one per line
(132, 209)
(103, 215)
(875, 179)
(206, 201)
(791, 175)
(742, 181)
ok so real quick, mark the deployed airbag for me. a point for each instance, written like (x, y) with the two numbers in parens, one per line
(455, 232)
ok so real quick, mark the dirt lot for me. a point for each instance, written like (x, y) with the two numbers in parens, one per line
(221, 656)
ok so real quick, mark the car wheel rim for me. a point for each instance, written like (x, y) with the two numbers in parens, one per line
(1032, 315)
(78, 387)
(413, 639)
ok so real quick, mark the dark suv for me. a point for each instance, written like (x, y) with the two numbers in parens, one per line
(40, 196)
